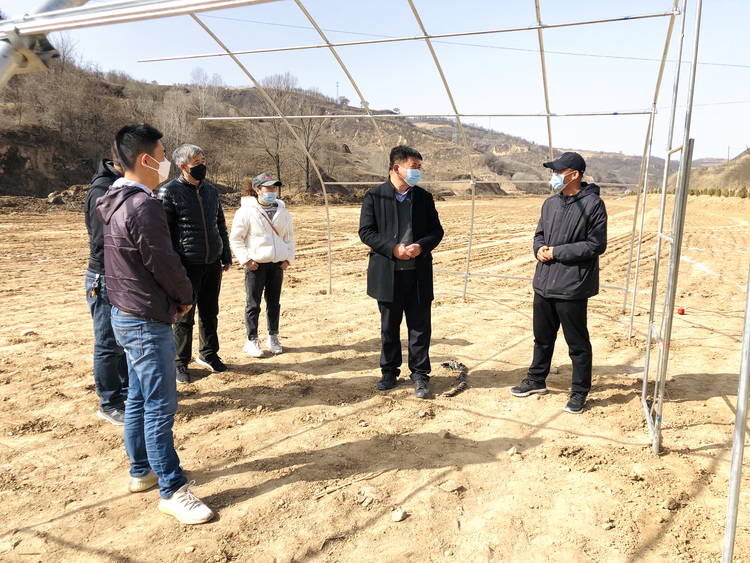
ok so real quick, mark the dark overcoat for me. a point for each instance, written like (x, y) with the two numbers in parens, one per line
(378, 229)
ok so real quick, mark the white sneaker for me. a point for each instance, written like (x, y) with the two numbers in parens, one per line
(252, 347)
(186, 507)
(273, 344)
(140, 484)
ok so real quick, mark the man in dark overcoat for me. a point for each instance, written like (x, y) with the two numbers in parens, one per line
(401, 226)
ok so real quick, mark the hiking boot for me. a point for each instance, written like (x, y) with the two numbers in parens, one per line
(576, 403)
(140, 484)
(115, 416)
(186, 507)
(252, 347)
(273, 344)
(183, 375)
(529, 387)
(214, 364)
(387, 381)
(420, 389)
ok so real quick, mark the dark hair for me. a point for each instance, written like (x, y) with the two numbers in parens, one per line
(248, 189)
(402, 153)
(133, 140)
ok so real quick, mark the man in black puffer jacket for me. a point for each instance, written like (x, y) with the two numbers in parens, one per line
(110, 365)
(570, 236)
(199, 236)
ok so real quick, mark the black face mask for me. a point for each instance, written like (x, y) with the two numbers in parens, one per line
(198, 172)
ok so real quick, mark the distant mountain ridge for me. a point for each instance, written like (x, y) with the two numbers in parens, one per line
(55, 140)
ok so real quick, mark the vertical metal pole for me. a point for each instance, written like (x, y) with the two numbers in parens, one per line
(644, 173)
(674, 269)
(660, 226)
(10, 58)
(544, 77)
(644, 182)
(738, 447)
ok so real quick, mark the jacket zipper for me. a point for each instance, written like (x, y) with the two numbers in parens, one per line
(203, 216)
(263, 222)
(552, 224)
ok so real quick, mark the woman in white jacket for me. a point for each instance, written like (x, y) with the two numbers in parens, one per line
(262, 239)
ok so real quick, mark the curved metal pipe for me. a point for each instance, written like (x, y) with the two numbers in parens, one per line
(291, 130)
(348, 75)
(473, 182)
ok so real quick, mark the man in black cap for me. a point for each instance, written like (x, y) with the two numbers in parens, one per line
(570, 236)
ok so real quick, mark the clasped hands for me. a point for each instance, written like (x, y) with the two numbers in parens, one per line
(403, 252)
(253, 265)
(544, 254)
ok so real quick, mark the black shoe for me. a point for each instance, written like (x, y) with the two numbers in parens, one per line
(576, 403)
(387, 381)
(529, 387)
(115, 416)
(183, 375)
(420, 389)
(214, 364)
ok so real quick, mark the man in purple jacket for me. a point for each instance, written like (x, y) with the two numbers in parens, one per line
(147, 287)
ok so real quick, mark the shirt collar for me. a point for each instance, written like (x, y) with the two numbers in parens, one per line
(125, 182)
(402, 196)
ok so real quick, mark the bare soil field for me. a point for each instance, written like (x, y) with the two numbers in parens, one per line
(303, 460)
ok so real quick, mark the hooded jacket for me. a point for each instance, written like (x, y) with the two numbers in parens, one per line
(196, 222)
(576, 226)
(378, 229)
(144, 275)
(100, 183)
(253, 238)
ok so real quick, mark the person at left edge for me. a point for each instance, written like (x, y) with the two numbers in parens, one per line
(199, 236)
(147, 287)
(110, 365)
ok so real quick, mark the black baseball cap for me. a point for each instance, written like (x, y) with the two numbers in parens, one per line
(264, 180)
(571, 160)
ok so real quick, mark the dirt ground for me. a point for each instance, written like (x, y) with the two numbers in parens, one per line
(303, 460)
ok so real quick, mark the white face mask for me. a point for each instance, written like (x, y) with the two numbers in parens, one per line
(163, 168)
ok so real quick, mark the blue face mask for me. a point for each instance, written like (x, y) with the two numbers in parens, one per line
(557, 182)
(412, 177)
(269, 198)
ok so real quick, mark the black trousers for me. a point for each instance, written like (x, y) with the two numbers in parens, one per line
(549, 314)
(267, 279)
(206, 280)
(418, 324)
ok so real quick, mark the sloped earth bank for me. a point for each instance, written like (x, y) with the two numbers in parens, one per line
(303, 460)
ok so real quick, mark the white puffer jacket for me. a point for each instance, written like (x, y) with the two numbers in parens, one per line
(253, 238)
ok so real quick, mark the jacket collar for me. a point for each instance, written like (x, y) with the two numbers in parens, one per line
(181, 179)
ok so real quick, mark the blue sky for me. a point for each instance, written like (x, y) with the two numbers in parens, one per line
(602, 67)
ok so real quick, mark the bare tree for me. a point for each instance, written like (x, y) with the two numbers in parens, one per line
(272, 134)
(173, 120)
(199, 85)
(215, 90)
(310, 132)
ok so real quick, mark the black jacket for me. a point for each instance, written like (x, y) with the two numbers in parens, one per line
(378, 229)
(144, 275)
(100, 183)
(576, 226)
(196, 222)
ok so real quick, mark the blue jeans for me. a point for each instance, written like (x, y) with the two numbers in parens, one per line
(110, 365)
(152, 399)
